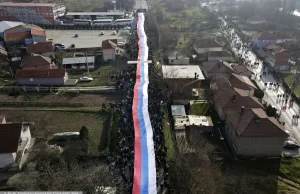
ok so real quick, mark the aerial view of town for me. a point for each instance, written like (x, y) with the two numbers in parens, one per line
(150, 96)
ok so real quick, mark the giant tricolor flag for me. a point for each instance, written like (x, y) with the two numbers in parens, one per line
(144, 179)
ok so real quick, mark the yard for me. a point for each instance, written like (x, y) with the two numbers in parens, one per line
(199, 108)
(47, 123)
(288, 78)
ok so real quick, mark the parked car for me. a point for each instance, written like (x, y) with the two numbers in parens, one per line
(101, 33)
(59, 45)
(72, 45)
(290, 145)
(86, 79)
(76, 35)
(114, 33)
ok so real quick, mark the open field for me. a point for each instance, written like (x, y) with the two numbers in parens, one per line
(86, 99)
(85, 39)
(47, 123)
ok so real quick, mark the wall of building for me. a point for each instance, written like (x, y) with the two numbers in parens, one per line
(7, 159)
(38, 38)
(179, 61)
(109, 54)
(41, 81)
(261, 146)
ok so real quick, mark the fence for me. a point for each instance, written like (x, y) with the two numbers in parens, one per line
(44, 104)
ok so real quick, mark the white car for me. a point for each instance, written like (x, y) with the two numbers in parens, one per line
(101, 33)
(114, 33)
(86, 79)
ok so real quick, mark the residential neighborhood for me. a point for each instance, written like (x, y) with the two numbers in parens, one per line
(163, 97)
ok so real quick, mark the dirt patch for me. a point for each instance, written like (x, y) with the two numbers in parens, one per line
(47, 123)
(86, 99)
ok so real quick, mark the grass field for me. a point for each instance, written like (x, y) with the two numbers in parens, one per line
(47, 123)
(288, 78)
(198, 109)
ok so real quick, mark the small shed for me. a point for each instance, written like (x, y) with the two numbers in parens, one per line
(79, 63)
(178, 110)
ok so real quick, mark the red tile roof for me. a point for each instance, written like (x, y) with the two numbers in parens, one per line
(240, 81)
(17, 36)
(9, 137)
(40, 47)
(242, 68)
(253, 122)
(39, 32)
(41, 73)
(34, 60)
(24, 26)
(109, 44)
(206, 43)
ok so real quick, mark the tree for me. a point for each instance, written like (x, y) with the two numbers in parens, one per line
(271, 111)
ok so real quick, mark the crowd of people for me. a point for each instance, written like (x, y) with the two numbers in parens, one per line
(123, 161)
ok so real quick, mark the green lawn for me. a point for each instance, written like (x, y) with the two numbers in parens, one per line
(288, 78)
(168, 138)
(198, 109)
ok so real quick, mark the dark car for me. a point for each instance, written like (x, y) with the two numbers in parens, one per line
(290, 145)
(72, 45)
(76, 35)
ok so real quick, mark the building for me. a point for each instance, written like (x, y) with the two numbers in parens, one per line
(14, 142)
(4, 25)
(251, 133)
(183, 76)
(243, 70)
(179, 60)
(256, 20)
(24, 34)
(79, 63)
(95, 15)
(219, 55)
(35, 61)
(109, 49)
(212, 69)
(45, 77)
(242, 83)
(264, 39)
(278, 57)
(229, 98)
(205, 45)
(31, 13)
(42, 48)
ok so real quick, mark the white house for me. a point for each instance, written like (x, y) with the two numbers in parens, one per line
(14, 141)
(177, 60)
(109, 49)
(206, 45)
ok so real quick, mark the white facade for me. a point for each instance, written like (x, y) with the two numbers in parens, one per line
(109, 54)
(205, 50)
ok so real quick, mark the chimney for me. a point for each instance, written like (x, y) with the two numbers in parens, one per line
(242, 109)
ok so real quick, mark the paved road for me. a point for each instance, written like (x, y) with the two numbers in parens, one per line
(59, 89)
(271, 92)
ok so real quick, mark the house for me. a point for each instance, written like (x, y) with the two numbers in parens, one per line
(251, 133)
(243, 70)
(228, 98)
(14, 141)
(242, 83)
(278, 57)
(212, 69)
(4, 25)
(46, 77)
(264, 39)
(42, 48)
(109, 49)
(205, 45)
(35, 61)
(219, 55)
(183, 76)
(176, 4)
(179, 60)
(256, 20)
(79, 63)
(24, 34)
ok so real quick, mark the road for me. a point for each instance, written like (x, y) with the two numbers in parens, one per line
(271, 92)
(58, 89)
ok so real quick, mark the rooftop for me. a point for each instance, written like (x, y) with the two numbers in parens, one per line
(242, 68)
(253, 122)
(178, 110)
(95, 13)
(9, 137)
(178, 57)
(78, 60)
(207, 43)
(35, 60)
(4, 25)
(182, 71)
(40, 47)
(219, 54)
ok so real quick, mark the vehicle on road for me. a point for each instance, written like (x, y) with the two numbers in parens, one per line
(72, 45)
(290, 145)
(59, 45)
(101, 33)
(86, 79)
(76, 35)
